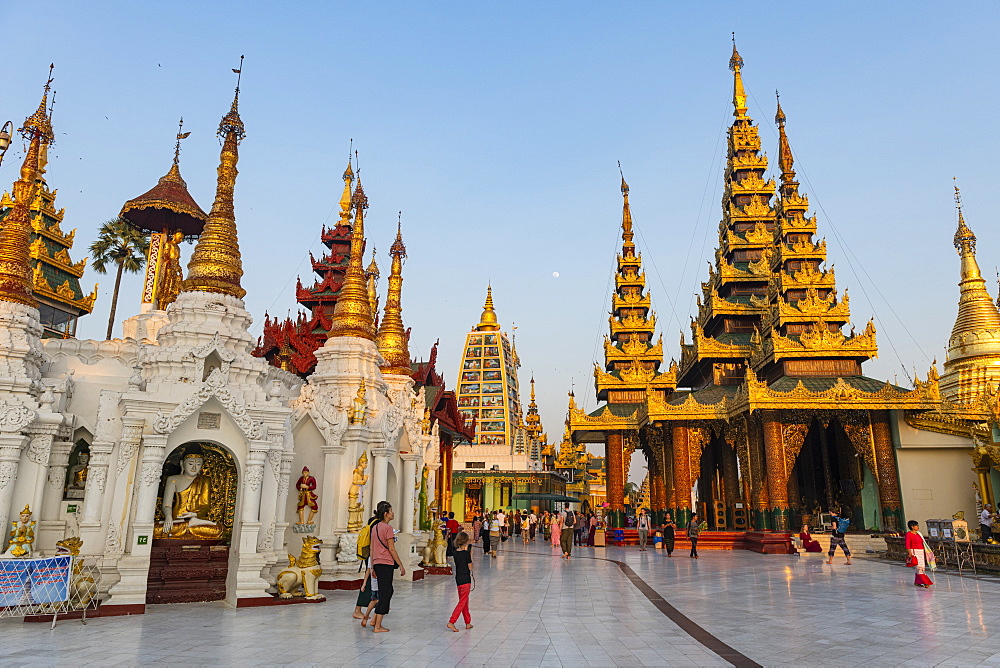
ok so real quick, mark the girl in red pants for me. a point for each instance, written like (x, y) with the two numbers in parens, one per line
(463, 578)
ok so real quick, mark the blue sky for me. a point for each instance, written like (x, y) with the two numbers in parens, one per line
(496, 128)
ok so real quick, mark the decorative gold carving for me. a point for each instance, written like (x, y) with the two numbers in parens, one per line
(356, 509)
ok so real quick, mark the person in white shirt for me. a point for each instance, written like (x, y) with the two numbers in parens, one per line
(642, 524)
(532, 523)
(986, 523)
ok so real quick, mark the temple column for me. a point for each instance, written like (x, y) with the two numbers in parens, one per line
(985, 485)
(380, 474)
(253, 478)
(332, 505)
(777, 477)
(824, 453)
(10, 457)
(97, 478)
(153, 452)
(245, 581)
(409, 475)
(668, 474)
(888, 479)
(433, 478)
(682, 475)
(760, 499)
(730, 481)
(39, 448)
(52, 499)
(269, 499)
(615, 462)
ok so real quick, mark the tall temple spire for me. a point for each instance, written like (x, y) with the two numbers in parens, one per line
(15, 234)
(372, 275)
(392, 340)
(631, 359)
(488, 321)
(352, 316)
(739, 94)
(976, 310)
(216, 265)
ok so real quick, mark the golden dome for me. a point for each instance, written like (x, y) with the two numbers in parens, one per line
(488, 321)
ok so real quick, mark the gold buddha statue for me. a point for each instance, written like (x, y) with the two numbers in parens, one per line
(22, 536)
(78, 476)
(187, 501)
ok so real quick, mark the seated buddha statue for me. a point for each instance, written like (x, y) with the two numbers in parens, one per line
(187, 500)
(78, 476)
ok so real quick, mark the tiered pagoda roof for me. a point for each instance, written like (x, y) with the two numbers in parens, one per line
(55, 277)
(800, 333)
(290, 344)
(631, 360)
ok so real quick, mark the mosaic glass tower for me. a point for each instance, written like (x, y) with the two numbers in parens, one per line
(487, 381)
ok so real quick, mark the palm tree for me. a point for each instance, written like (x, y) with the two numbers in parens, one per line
(121, 244)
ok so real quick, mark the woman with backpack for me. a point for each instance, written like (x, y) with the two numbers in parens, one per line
(385, 560)
(368, 596)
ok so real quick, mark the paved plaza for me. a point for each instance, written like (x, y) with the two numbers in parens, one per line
(532, 609)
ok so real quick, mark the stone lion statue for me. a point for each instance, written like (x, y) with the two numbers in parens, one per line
(82, 587)
(302, 572)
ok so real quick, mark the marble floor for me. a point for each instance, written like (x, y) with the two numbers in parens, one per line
(531, 608)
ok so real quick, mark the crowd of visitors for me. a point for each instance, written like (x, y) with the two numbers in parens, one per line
(564, 529)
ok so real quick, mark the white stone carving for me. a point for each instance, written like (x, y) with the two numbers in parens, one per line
(97, 477)
(125, 455)
(214, 386)
(274, 463)
(38, 449)
(112, 545)
(7, 472)
(15, 417)
(255, 474)
(151, 473)
(348, 552)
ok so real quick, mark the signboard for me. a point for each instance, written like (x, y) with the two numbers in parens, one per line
(568, 474)
(29, 581)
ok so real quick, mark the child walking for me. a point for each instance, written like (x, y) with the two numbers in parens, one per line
(463, 578)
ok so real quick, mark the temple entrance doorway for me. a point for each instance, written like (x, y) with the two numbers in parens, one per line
(718, 487)
(195, 511)
(830, 474)
(473, 500)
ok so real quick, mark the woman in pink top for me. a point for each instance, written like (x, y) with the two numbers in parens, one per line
(384, 560)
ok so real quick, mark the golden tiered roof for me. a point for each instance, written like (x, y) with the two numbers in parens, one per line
(15, 234)
(728, 312)
(631, 359)
(216, 264)
(391, 339)
(801, 331)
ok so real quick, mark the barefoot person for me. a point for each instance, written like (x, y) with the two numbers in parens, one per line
(463, 578)
(384, 561)
(840, 524)
(920, 555)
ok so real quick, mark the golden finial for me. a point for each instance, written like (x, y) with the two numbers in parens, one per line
(785, 159)
(216, 264)
(372, 275)
(532, 389)
(488, 320)
(739, 94)
(626, 210)
(965, 240)
(392, 341)
(352, 316)
(26, 511)
(16, 276)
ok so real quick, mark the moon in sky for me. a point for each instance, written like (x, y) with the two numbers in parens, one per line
(555, 274)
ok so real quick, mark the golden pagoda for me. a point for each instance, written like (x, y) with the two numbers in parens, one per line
(768, 409)
(392, 339)
(487, 381)
(55, 277)
(15, 234)
(352, 315)
(972, 364)
(216, 265)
